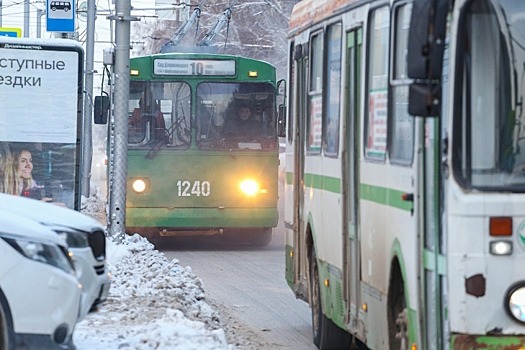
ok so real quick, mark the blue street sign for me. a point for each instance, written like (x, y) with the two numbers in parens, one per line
(12, 32)
(60, 16)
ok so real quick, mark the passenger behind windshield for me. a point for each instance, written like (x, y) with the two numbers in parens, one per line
(236, 116)
(148, 111)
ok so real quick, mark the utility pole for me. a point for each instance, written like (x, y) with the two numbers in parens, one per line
(26, 18)
(39, 14)
(117, 197)
(88, 99)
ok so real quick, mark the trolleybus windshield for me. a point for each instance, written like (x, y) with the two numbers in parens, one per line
(235, 116)
(159, 114)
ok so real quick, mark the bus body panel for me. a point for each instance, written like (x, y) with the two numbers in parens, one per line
(418, 231)
(205, 193)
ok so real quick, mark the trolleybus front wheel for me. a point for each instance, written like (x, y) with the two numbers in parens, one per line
(262, 237)
(258, 237)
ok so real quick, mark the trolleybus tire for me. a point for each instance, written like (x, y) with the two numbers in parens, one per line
(257, 237)
(262, 237)
(326, 334)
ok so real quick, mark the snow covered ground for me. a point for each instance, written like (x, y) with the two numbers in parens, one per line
(153, 303)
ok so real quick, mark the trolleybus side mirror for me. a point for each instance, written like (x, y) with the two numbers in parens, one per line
(101, 109)
(281, 113)
(281, 121)
(426, 42)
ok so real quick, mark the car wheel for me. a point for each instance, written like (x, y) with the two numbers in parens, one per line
(4, 329)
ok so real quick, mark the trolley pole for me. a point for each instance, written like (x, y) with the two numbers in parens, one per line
(117, 197)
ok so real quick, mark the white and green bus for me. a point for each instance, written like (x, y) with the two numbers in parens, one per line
(405, 179)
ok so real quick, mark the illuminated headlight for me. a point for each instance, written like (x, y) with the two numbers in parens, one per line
(250, 187)
(51, 254)
(501, 247)
(139, 186)
(515, 302)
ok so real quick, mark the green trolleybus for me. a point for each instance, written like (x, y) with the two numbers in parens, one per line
(194, 166)
(405, 179)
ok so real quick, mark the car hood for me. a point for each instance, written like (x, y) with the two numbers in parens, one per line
(47, 213)
(23, 226)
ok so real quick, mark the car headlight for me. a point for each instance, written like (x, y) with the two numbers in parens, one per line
(75, 239)
(51, 254)
(515, 302)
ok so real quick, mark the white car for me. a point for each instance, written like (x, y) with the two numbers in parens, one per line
(84, 236)
(39, 291)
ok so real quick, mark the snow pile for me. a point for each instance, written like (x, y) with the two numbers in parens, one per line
(94, 206)
(153, 303)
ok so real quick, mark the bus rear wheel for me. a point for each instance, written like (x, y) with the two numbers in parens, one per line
(326, 334)
(397, 312)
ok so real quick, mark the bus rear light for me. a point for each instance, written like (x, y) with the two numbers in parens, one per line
(500, 248)
(500, 226)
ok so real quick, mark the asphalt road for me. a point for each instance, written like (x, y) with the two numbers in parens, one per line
(248, 288)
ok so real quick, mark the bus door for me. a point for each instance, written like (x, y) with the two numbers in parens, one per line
(350, 170)
(433, 261)
(300, 110)
(430, 187)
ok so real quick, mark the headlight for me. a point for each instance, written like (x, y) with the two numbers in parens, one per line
(500, 247)
(51, 254)
(139, 186)
(74, 239)
(252, 187)
(249, 187)
(515, 302)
